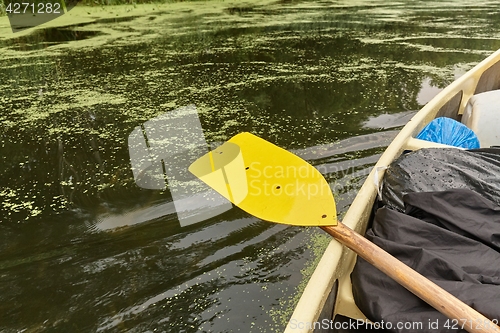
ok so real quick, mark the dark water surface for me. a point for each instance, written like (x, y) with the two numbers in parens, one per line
(84, 249)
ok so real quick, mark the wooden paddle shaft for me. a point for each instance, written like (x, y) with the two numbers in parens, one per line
(419, 285)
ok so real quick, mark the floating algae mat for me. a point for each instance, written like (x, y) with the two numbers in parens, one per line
(84, 248)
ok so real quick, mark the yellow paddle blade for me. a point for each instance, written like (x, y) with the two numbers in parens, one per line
(268, 182)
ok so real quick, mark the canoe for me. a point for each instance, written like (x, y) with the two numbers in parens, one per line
(329, 289)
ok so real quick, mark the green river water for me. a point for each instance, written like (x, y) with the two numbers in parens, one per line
(84, 249)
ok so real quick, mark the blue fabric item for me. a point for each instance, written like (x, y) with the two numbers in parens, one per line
(449, 132)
